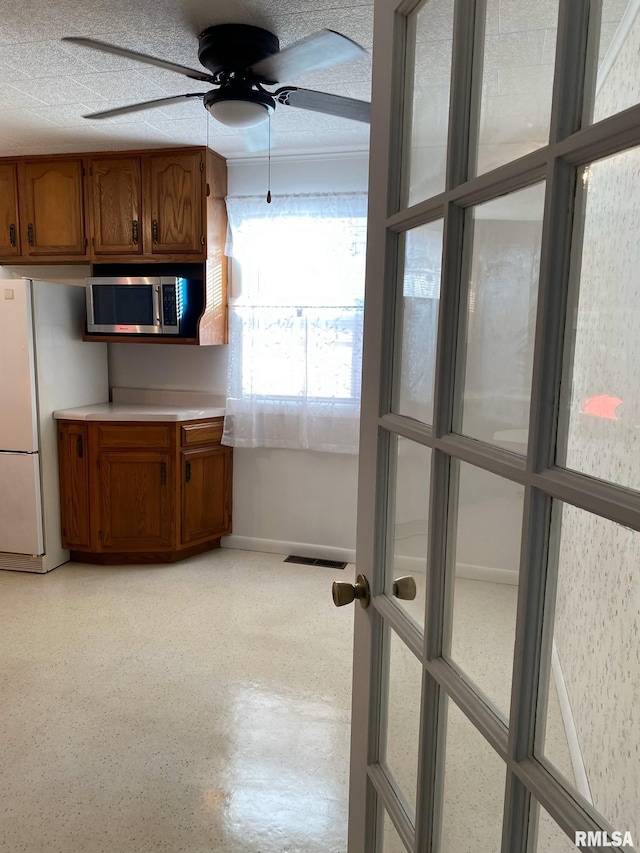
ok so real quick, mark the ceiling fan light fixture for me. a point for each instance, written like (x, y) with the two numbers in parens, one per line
(239, 106)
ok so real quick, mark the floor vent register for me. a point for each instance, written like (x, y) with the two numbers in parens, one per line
(315, 561)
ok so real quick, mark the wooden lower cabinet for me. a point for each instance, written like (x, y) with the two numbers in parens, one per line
(136, 510)
(74, 486)
(133, 492)
(206, 508)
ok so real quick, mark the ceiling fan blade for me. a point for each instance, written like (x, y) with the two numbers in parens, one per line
(140, 57)
(323, 49)
(145, 105)
(323, 102)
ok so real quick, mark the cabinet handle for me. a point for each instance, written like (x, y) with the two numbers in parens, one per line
(134, 232)
(12, 235)
(187, 475)
(80, 447)
(154, 230)
(30, 236)
(163, 473)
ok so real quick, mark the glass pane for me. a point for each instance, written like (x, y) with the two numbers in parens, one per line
(549, 837)
(484, 564)
(500, 318)
(596, 661)
(617, 84)
(599, 429)
(391, 841)
(474, 782)
(408, 498)
(517, 80)
(417, 322)
(428, 80)
(402, 732)
(131, 305)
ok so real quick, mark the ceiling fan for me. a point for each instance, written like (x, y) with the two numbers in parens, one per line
(241, 59)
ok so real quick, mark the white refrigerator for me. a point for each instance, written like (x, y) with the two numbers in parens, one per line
(44, 366)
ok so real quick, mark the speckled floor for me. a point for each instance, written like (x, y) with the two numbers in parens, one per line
(197, 707)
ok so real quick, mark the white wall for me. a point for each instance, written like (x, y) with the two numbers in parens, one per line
(303, 174)
(174, 367)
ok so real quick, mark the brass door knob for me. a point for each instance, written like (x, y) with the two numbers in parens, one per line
(344, 593)
(405, 588)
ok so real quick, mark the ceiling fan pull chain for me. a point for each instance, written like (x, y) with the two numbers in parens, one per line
(269, 166)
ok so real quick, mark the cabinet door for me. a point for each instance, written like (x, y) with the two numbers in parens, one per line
(115, 206)
(176, 182)
(9, 232)
(74, 485)
(206, 493)
(52, 213)
(135, 501)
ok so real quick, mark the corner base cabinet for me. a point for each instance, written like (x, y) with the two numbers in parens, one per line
(143, 492)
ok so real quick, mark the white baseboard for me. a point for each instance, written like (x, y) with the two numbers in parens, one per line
(412, 565)
(277, 546)
(577, 762)
(489, 574)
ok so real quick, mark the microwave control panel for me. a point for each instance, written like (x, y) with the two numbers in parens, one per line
(169, 307)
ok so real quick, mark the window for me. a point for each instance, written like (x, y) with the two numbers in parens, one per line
(296, 321)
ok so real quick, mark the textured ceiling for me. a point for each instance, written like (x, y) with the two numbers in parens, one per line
(46, 85)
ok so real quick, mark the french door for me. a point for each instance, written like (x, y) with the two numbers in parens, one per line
(496, 698)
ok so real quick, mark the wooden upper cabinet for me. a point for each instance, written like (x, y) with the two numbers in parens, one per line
(116, 206)
(177, 209)
(52, 208)
(158, 206)
(9, 227)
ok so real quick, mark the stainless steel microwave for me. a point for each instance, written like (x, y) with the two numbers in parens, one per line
(149, 305)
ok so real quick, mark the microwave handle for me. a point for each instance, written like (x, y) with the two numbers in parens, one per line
(157, 307)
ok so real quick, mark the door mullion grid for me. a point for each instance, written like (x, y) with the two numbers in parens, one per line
(527, 664)
(569, 146)
(393, 805)
(614, 502)
(384, 317)
(468, 16)
(609, 136)
(409, 633)
(365, 814)
(533, 631)
(433, 720)
(464, 98)
(612, 134)
(561, 805)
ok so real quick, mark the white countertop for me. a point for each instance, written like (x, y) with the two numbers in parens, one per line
(141, 412)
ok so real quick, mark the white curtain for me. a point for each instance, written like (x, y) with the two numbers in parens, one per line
(295, 321)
